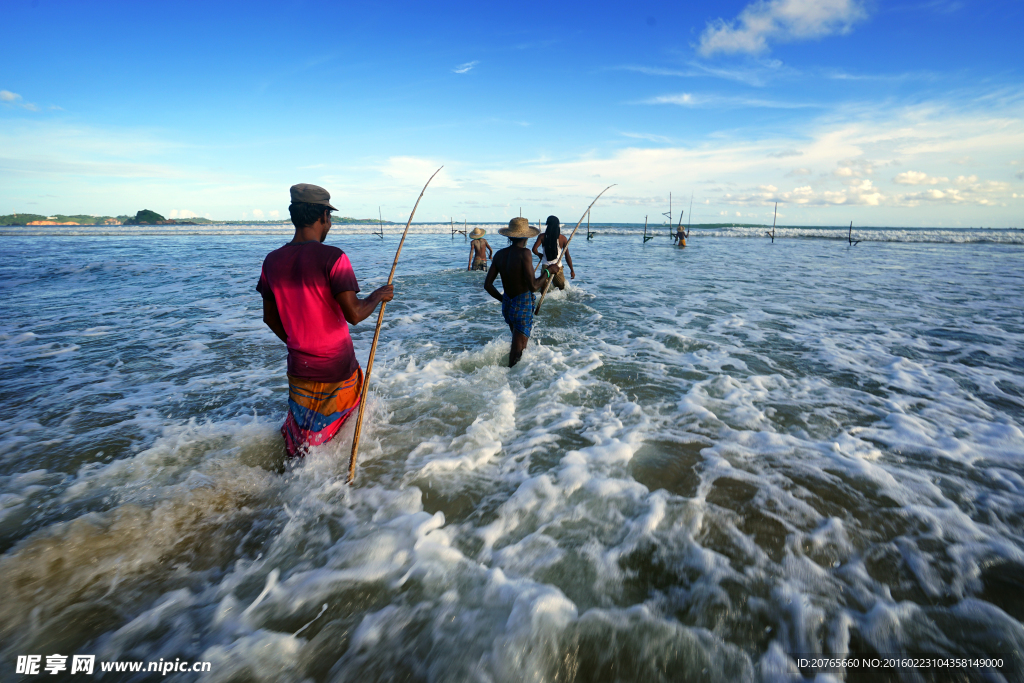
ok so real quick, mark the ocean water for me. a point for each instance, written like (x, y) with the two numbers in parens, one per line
(710, 461)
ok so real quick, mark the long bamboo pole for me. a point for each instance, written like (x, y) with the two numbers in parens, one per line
(689, 217)
(373, 347)
(566, 248)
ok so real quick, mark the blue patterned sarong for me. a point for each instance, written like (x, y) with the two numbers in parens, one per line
(518, 312)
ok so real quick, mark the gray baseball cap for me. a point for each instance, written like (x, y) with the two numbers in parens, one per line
(311, 194)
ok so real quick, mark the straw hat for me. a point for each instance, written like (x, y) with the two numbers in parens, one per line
(518, 228)
(476, 232)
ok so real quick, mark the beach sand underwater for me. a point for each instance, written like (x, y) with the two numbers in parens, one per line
(710, 462)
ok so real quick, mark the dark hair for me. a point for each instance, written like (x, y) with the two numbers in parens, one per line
(305, 214)
(551, 238)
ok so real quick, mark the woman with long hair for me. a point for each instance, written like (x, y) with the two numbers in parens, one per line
(547, 246)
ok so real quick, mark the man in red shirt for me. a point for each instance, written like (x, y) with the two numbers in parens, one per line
(309, 300)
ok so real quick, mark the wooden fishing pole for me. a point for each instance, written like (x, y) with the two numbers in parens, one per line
(850, 236)
(668, 214)
(590, 235)
(646, 238)
(373, 347)
(380, 218)
(562, 251)
(689, 217)
(772, 233)
(679, 227)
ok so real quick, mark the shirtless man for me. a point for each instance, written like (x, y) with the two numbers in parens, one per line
(547, 247)
(479, 250)
(515, 265)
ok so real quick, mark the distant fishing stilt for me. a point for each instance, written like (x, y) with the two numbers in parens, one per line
(590, 235)
(689, 217)
(772, 233)
(850, 236)
(646, 238)
(381, 219)
(668, 214)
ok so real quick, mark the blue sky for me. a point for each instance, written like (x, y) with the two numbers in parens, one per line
(899, 113)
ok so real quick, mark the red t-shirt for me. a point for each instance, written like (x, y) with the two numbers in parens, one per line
(303, 280)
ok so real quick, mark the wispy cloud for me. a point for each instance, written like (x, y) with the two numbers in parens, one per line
(725, 102)
(779, 21)
(14, 99)
(757, 76)
(838, 75)
(465, 68)
(649, 136)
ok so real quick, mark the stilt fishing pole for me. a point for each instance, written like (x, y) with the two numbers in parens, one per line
(381, 219)
(558, 260)
(590, 235)
(690, 217)
(373, 347)
(678, 227)
(646, 238)
(668, 213)
(850, 236)
(772, 233)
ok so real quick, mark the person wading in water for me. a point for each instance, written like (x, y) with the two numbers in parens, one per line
(552, 240)
(309, 300)
(515, 266)
(479, 250)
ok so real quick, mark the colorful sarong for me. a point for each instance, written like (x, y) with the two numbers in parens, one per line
(518, 312)
(479, 264)
(317, 410)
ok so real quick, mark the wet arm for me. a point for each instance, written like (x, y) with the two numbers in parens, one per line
(272, 318)
(536, 245)
(469, 265)
(536, 283)
(356, 310)
(492, 273)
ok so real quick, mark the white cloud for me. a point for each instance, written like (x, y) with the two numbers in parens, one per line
(779, 21)
(414, 171)
(708, 101)
(275, 214)
(917, 178)
(257, 214)
(465, 68)
(182, 213)
(14, 99)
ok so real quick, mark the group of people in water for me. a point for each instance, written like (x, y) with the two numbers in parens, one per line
(309, 292)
